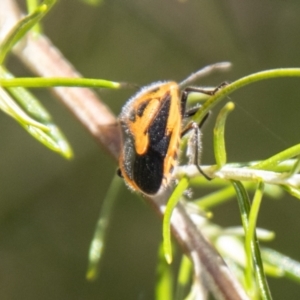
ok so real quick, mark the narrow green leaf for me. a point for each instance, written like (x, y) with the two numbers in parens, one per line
(41, 82)
(252, 242)
(244, 205)
(31, 7)
(219, 135)
(276, 159)
(238, 231)
(221, 196)
(98, 243)
(295, 169)
(23, 26)
(9, 106)
(289, 266)
(184, 277)
(295, 192)
(33, 117)
(172, 202)
(230, 88)
(26, 100)
(165, 281)
(60, 140)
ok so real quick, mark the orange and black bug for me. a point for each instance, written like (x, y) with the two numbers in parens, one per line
(151, 123)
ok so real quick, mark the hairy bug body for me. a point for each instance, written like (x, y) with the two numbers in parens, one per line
(151, 127)
(151, 124)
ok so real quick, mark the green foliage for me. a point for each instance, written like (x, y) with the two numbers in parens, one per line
(280, 170)
(23, 106)
(98, 242)
(23, 26)
(238, 246)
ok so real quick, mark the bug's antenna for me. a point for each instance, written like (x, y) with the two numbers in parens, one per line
(221, 66)
(129, 85)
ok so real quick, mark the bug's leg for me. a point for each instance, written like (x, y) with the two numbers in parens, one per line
(194, 146)
(204, 72)
(193, 111)
(187, 91)
(209, 92)
(193, 125)
(183, 100)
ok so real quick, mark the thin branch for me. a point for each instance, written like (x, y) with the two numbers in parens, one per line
(40, 56)
(242, 174)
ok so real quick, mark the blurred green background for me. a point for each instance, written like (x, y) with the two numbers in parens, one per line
(49, 206)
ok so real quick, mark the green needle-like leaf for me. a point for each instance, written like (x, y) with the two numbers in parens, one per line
(9, 106)
(20, 104)
(172, 202)
(164, 283)
(221, 196)
(98, 242)
(28, 102)
(275, 160)
(39, 82)
(244, 205)
(289, 267)
(219, 135)
(31, 7)
(295, 192)
(184, 277)
(230, 88)
(23, 26)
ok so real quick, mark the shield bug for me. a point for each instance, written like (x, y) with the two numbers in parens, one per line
(152, 127)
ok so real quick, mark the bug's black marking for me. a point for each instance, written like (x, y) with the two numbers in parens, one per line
(119, 173)
(148, 169)
(157, 128)
(142, 107)
(132, 116)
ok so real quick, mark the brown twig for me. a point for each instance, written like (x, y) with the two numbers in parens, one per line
(40, 56)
